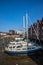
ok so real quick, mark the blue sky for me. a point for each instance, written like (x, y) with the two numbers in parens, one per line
(12, 11)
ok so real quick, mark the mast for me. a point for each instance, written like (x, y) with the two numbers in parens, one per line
(24, 26)
(27, 26)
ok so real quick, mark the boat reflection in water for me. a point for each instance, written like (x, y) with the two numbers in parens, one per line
(20, 46)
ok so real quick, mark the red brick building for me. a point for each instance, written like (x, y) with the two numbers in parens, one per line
(35, 31)
(11, 32)
(29, 32)
(40, 29)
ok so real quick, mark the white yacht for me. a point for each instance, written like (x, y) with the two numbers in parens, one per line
(21, 47)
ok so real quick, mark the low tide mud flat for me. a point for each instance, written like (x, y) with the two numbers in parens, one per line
(15, 60)
(34, 59)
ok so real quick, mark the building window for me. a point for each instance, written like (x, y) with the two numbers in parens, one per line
(42, 27)
(42, 33)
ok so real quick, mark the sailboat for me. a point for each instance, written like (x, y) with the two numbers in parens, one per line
(22, 46)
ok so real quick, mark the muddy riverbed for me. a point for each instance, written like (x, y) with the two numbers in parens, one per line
(34, 59)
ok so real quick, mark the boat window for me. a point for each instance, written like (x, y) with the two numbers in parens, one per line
(13, 43)
(24, 48)
(10, 47)
(33, 47)
(16, 40)
(28, 48)
(13, 46)
(18, 43)
(19, 46)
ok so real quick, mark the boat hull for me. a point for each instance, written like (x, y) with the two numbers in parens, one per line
(21, 52)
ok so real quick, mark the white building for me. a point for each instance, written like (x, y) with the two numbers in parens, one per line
(3, 33)
(19, 32)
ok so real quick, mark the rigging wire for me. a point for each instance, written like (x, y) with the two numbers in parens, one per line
(36, 32)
